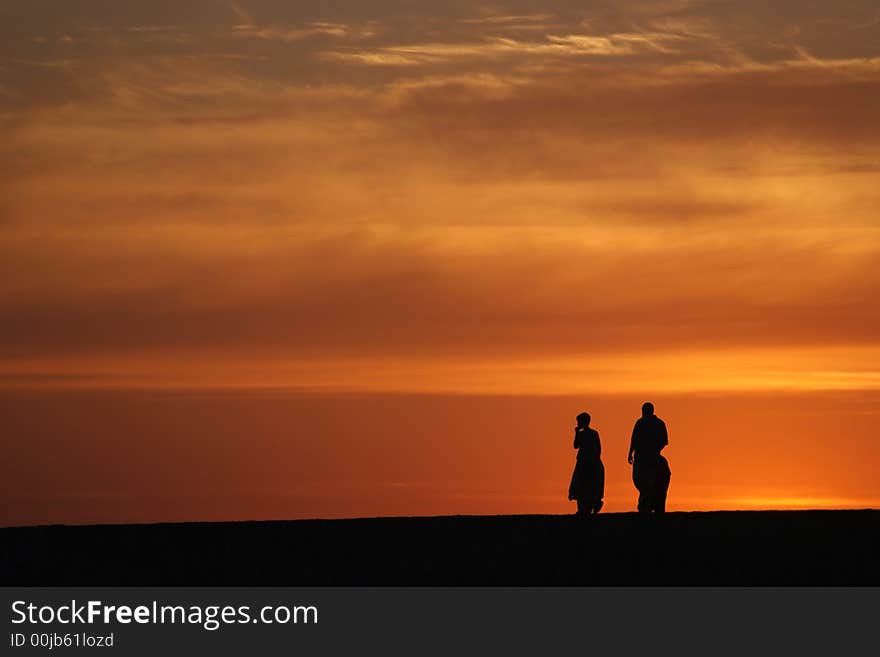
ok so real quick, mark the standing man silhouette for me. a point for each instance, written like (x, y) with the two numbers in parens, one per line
(651, 472)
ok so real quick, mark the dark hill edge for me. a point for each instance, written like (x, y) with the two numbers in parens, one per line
(700, 548)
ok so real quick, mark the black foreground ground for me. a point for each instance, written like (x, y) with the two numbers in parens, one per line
(718, 548)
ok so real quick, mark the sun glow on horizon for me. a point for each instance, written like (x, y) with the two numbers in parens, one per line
(687, 370)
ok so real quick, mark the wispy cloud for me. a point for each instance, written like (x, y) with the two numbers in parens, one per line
(241, 14)
(570, 45)
(270, 33)
(511, 19)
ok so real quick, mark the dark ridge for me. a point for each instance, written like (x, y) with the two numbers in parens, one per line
(717, 548)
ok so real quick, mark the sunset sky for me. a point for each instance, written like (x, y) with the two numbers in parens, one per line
(266, 259)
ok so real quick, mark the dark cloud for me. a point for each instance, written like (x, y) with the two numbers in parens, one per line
(349, 296)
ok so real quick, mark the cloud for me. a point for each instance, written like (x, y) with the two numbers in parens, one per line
(241, 14)
(292, 34)
(494, 19)
(653, 183)
(571, 45)
(495, 292)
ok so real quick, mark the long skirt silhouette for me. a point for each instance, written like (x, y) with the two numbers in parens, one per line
(587, 486)
(651, 477)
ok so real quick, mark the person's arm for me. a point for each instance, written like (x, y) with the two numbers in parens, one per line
(664, 436)
(577, 435)
(598, 447)
(632, 444)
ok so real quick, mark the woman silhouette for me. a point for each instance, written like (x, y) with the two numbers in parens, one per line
(588, 479)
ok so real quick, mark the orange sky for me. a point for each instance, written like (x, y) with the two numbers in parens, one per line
(516, 207)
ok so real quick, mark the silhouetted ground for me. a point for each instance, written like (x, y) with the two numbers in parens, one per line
(719, 548)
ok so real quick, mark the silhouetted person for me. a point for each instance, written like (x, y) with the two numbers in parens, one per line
(650, 469)
(588, 479)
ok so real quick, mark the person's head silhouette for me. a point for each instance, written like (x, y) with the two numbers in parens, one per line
(583, 420)
(647, 409)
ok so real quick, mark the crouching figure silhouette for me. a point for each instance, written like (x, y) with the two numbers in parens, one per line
(651, 471)
(588, 479)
